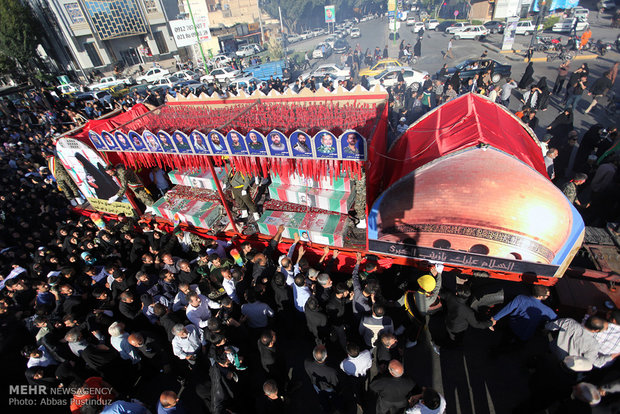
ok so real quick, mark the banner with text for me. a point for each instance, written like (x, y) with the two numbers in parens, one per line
(185, 34)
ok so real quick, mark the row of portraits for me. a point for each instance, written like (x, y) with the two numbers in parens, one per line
(350, 145)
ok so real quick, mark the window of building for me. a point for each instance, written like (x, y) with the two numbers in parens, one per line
(74, 13)
(115, 18)
(160, 42)
(150, 6)
(92, 54)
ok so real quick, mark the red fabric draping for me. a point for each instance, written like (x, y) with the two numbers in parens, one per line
(456, 125)
(375, 164)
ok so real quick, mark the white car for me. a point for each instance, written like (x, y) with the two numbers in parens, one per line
(152, 75)
(413, 78)
(221, 75)
(244, 83)
(471, 32)
(292, 38)
(410, 21)
(109, 82)
(418, 26)
(525, 27)
(165, 81)
(187, 75)
(337, 71)
(322, 51)
(455, 27)
(248, 50)
(431, 24)
(580, 13)
(306, 35)
(69, 88)
(220, 60)
(317, 32)
(567, 24)
(355, 33)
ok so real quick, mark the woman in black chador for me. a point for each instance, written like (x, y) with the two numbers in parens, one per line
(97, 179)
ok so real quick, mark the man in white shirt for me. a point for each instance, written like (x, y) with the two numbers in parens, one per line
(230, 285)
(357, 364)
(198, 311)
(119, 341)
(301, 293)
(187, 342)
(429, 402)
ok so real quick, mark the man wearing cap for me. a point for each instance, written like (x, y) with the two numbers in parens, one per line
(428, 289)
(128, 179)
(402, 126)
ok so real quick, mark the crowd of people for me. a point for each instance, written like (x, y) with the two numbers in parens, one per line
(136, 317)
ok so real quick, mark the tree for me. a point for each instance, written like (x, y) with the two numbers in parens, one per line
(274, 48)
(19, 32)
(7, 65)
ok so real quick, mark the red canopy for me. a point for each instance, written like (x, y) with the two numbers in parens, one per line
(456, 125)
(110, 124)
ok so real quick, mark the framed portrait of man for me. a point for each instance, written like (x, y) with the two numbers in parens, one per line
(152, 143)
(110, 141)
(236, 143)
(123, 141)
(277, 144)
(137, 142)
(256, 143)
(217, 143)
(199, 142)
(166, 142)
(326, 145)
(97, 141)
(352, 145)
(301, 145)
(181, 141)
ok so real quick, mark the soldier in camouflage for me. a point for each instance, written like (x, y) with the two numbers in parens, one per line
(570, 188)
(64, 181)
(129, 179)
(240, 186)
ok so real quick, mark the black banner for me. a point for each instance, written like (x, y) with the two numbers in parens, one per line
(459, 258)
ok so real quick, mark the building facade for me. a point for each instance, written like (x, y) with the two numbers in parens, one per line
(99, 34)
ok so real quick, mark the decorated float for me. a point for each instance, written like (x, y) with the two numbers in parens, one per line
(465, 185)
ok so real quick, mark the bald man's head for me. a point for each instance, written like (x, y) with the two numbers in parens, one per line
(168, 399)
(395, 368)
(136, 339)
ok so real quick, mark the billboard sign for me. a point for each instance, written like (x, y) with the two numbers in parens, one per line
(330, 14)
(185, 34)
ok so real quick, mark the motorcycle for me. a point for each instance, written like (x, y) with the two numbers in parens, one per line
(602, 47)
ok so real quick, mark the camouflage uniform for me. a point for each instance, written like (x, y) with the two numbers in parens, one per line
(129, 179)
(570, 191)
(238, 183)
(63, 179)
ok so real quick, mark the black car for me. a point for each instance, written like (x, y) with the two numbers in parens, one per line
(341, 46)
(495, 27)
(470, 67)
(441, 27)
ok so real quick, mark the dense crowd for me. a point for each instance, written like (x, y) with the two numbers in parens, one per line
(135, 317)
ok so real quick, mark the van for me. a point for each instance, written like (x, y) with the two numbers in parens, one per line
(525, 27)
(581, 14)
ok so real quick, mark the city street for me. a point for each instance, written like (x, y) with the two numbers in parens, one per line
(375, 32)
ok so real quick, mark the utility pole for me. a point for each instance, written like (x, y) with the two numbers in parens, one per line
(282, 33)
(204, 59)
(541, 13)
(260, 22)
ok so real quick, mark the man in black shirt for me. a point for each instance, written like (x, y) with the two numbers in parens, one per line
(323, 378)
(393, 390)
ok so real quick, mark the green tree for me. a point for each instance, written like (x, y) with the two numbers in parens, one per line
(19, 33)
(7, 65)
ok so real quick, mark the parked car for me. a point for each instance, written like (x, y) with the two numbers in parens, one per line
(152, 75)
(248, 50)
(69, 88)
(410, 20)
(431, 24)
(456, 26)
(187, 74)
(525, 27)
(608, 5)
(221, 75)
(355, 33)
(185, 83)
(317, 32)
(413, 78)
(322, 51)
(221, 59)
(293, 38)
(166, 80)
(442, 26)
(580, 13)
(471, 32)
(244, 83)
(565, 26)
(495, 27)
(306, 34)
(379, 67)
(468, 68)
(103, 97)
(341, 46)
(418, 26)
(110, 81)
(338, 71)
(141, 89)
